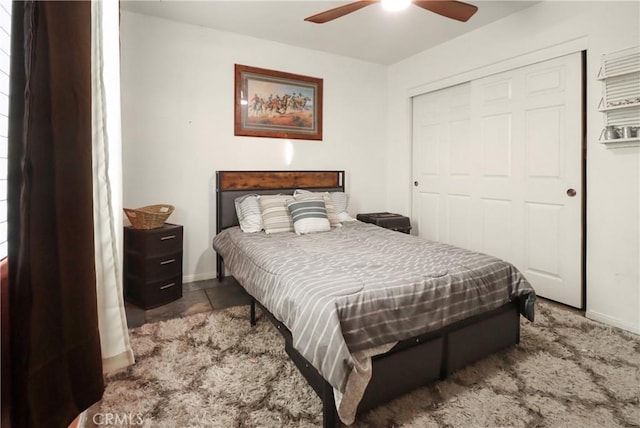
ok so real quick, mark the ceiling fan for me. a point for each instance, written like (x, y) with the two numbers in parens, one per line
(450, 8)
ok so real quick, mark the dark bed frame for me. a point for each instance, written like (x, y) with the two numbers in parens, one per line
(408, 365)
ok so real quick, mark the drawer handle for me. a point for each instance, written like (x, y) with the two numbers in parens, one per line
(164, 238)
(164, 287)
(166, 262)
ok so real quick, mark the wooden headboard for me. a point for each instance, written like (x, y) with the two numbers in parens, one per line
(233, 184)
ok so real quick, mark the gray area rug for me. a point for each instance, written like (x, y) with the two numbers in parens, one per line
(214, 370)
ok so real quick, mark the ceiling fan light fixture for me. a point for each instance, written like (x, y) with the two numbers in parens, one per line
(395, 5)
(454, 9)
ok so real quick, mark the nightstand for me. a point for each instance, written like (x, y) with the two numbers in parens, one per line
(153, 265)
(387, 220)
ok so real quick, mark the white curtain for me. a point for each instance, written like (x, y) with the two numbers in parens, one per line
(107, 184)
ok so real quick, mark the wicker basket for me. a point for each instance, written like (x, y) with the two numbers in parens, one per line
(149, 217)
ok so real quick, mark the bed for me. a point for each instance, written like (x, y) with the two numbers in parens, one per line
(367, 314)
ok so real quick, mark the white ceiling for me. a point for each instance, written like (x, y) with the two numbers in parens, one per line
(369, 34)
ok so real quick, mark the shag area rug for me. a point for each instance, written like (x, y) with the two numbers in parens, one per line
(214, 370)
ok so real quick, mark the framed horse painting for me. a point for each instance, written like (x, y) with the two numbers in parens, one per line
(275, 104)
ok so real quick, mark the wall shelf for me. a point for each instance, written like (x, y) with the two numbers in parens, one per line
(620, 103)
(611, 76)
(621, 142)
(618, 107)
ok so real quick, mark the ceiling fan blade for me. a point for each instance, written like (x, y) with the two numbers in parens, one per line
(451, 9)
(337, 12)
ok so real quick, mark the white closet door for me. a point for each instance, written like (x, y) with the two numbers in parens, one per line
(496, 162)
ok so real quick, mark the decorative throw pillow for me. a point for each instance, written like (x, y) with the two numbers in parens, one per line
(344, 216)
(249, 214)
(320, 196)
(309, 216)
(339, 201)
(275, 214)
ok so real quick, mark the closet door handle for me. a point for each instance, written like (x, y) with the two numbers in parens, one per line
(571, 193)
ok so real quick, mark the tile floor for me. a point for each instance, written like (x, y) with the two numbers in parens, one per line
(200, 296)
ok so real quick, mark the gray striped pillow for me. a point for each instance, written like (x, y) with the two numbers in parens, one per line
(275, 214)
(339, 201)
(309, 216)
(249, 214)
(320, 196)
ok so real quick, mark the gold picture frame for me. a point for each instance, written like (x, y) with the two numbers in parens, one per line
(276, 104)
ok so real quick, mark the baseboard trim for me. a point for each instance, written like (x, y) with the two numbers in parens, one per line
(612, 322)
(198, 277)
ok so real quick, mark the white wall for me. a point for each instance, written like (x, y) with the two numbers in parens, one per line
(613, 181)
(177, 123)
(177, 107)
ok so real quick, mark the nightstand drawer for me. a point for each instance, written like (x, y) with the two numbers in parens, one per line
(153, 265)
(153, 268)
(155, 242)
(149, 294)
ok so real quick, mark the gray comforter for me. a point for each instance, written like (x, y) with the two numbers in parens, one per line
(360, 286)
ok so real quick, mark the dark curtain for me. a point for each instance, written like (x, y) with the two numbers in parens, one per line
(55, 345)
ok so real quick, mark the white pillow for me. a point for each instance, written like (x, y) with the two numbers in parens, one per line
(340, 201)
(344, 216)
(249, 214)
(309, 216)
(275, 214)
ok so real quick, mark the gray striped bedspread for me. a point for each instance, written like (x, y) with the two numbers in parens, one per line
(361, 286)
